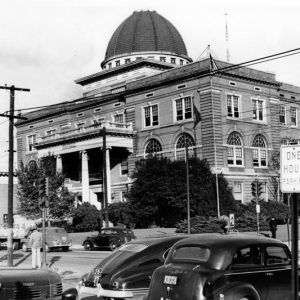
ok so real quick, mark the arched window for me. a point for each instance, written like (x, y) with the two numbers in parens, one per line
(235, 149)
(260, 151)
(184, 140)
(153, 146)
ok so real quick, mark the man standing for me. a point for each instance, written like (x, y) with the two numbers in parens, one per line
(36, 245)
(273, 227)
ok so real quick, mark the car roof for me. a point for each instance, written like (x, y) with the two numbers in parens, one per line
(158, 239)
(216, 240)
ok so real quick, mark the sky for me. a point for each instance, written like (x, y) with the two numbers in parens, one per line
(47, 44)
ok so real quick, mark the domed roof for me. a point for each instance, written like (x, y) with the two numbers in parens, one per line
(145, 31)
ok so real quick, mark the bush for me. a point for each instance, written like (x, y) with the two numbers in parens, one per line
(200, 225)
(121, 212)
(86, 217)
(243, 223)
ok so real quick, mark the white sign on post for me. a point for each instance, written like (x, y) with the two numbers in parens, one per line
(290, 169)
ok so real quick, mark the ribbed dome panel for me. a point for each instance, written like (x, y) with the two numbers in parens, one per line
(145, 31)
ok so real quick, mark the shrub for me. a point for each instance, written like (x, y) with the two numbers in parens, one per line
(86, 217)
(121, 212)
(200, 225)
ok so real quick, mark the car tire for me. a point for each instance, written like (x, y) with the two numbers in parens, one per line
(88, 246)
(24, 247)
(113, 245)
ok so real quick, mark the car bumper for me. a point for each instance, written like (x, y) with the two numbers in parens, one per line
(100, 292)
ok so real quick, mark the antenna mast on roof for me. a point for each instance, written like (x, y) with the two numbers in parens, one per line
(227, 39)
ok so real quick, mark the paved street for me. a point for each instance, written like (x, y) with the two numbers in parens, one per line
(70, 265)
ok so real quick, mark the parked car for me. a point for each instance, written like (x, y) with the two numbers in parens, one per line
(110, 237)
(126, 273)
(214, 266)
(32, 284)
(56, 238)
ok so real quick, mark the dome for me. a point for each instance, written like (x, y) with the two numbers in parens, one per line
(145, 32)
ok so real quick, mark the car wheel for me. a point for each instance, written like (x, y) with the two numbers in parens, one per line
(113, 245)
(24, 247)
(87, 246)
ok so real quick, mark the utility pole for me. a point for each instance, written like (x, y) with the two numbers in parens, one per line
(10, 202)
(105, 196)
(188, 188)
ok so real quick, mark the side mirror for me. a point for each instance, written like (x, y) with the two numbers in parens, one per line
(70, 294)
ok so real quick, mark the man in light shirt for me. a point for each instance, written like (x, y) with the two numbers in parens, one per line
(36, 245)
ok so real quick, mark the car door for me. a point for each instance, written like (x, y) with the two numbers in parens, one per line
(247, 267)
(277, 260)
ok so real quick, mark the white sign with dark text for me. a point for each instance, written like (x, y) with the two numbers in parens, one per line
(290, 169)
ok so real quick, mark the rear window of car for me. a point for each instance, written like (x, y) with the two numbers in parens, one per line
(276, 255)
(194, 253)
(133, 247)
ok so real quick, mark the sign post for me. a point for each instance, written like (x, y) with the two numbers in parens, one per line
(290, 183)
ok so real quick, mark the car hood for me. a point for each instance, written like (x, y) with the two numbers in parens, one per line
(16, 277)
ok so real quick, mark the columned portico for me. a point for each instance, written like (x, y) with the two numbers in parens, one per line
(108, 175)
(85, 177)
(59, 168)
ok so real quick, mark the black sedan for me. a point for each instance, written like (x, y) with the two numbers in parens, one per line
(214, 266)
(111, 237)
(127, 272)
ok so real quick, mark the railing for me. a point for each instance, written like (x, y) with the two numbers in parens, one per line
(120, 127)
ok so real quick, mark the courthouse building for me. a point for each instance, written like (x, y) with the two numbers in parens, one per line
(150, 97)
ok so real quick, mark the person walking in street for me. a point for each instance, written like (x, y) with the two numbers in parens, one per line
(273, 227)
(36, 245)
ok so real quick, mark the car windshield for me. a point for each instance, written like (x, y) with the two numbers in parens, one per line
(133, 247)
(194, 253)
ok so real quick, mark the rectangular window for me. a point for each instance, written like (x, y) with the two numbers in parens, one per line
(124, 167)
(233, 110)
(80, 125)
(119, 118)
(31, 140)
(293, 113)
(282, 112)
(151, 115)
(183, 108)
(162, 58)
(173, 60)
(238, 191)
(51, 132)
(258, 109)
(127, 60)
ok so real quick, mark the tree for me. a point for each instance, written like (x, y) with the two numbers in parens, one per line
(159, 194)
(29, 176)
(274, 167)
(86, 217)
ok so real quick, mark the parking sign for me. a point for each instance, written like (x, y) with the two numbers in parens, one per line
(290, 169)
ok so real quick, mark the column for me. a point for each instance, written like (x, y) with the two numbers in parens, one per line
(85, 185)
(59, 168)
(108, 174)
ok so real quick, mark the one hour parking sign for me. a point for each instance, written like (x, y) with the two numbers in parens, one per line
(290, 169)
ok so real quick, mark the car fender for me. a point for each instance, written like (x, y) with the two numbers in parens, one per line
(92, 241)
(238, 290)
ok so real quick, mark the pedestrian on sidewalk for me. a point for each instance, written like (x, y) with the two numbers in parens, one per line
(273, 227)
(36, 244)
